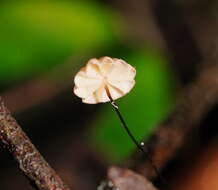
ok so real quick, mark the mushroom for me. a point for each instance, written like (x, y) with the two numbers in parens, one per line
(103, 80)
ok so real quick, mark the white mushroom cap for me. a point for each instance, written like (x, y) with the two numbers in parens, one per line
(104, 77)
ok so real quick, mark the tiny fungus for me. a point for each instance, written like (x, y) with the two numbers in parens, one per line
(105, 80)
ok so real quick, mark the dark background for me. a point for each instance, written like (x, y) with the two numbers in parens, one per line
(44, 43)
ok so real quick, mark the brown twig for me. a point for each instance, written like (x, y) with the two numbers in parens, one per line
(185, 54)
(46, 86)
(29, 159)
(125, 179)
(196, 100)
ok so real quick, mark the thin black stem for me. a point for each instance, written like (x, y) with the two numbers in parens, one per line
(144, 150)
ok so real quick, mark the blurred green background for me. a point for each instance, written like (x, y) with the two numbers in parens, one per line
(43, 44)
(38, 36)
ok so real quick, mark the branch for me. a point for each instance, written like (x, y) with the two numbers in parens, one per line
(196, 100)
(125, 179)
(46, 86)
(29, 159)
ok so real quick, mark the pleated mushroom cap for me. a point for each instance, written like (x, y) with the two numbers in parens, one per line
(104, 77)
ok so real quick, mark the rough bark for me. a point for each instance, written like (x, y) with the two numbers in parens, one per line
(125, 179)
(29, 159)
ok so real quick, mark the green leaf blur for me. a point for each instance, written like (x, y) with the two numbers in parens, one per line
(37, 35)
